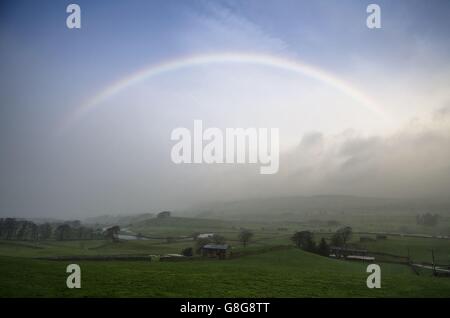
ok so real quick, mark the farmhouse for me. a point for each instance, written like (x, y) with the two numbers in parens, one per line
(220, 251)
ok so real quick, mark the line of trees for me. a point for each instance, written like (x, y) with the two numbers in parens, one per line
(25, 230)
(427, 219)
(305, 241)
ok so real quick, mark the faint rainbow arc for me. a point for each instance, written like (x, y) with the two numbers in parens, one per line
(236, 58)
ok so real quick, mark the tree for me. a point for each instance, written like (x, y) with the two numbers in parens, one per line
(22, 229)
(245, 236)
(419, 219)
(346, 233)
(342, 236)
(98, 233)
(323, 248)
(84, 233)
(79, 232)
(10, 227)
(163, 214)
(34, 231)
(187, 252)
(87, 233)
(218, 239)
(74, 224)
(62, 232)
(304, 240)
(200, 242)
(112, 233)
(337, 240)
(45, 231)
(427, 219)
(195, 235)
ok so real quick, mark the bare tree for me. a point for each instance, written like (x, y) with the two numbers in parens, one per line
(245, 236)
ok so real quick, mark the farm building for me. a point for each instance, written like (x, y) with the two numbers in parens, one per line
(171, 257)
(350, 253)
(220, 251)
(205, 235)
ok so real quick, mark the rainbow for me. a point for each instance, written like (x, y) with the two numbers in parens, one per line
(233, 58)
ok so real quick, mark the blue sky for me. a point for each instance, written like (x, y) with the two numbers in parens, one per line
(47, 71)
(119, 37)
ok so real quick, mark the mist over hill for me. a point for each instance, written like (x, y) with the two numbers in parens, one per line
(305, 206)
(118, 219)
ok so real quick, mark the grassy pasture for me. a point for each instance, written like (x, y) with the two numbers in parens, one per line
(262, 270)
(284, 273)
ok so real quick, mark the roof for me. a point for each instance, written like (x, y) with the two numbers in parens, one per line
(363, 258)
(205, 235)
(216, 246)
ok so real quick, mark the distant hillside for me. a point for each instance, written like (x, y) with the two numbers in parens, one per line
(179, 226)
(305, 205)
(122, 220)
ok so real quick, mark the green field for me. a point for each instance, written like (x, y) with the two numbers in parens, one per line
(270, 266)
(419, 249)
(284, 273)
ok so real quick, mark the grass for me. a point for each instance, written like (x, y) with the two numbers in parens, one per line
(284, 273)
(419, 248)
(179, 226)
(97, 247)
(261, 272)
